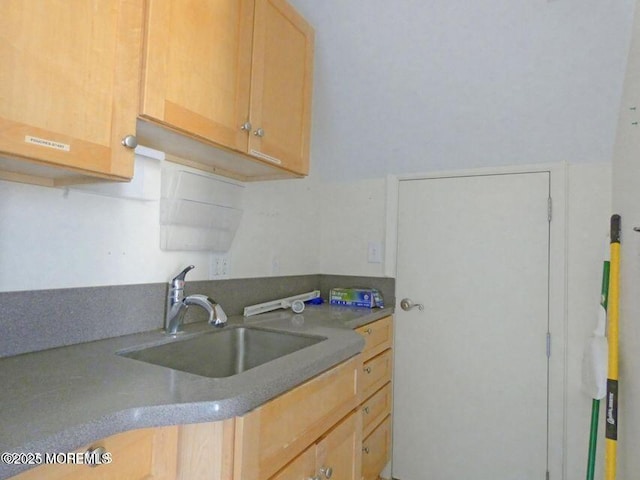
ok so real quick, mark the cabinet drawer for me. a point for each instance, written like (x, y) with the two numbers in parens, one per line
(378, 336)
(147, 454)
(304, 466)
(276, 432)
(375, 450)
(376, 408)
(376, 372)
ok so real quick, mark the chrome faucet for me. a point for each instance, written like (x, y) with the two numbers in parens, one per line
(177, 305)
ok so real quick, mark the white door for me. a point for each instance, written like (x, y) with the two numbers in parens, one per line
(471, 369)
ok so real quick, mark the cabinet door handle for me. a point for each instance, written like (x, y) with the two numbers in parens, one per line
(366, 410)
(365, 450)
(368, 331)
(259, 133)
(246, 127)
(367, 369)
(130, 141)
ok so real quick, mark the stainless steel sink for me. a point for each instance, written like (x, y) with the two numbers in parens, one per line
(224, 353)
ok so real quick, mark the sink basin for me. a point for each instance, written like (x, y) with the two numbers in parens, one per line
(225, 352)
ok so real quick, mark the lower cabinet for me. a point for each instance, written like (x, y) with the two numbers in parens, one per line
(375, 409)
(147, 454)
(336, 455)
(313, 431)
(276, 433)
(205, 451)
(376, 450)
(377, 395)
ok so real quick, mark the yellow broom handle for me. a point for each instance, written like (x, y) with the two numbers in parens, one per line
(611, 440)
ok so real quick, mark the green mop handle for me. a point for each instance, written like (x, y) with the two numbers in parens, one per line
(595, 403)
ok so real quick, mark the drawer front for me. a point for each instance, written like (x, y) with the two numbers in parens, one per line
(376, 408)
(341, 451)
(378, 336)
(147, 454)
(376, 449)
(375, 373)
(276, 432)
(304, 466)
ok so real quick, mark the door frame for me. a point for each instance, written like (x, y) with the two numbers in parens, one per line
(558, 324)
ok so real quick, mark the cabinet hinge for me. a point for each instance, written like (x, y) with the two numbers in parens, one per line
(549, 208)
(548, 344)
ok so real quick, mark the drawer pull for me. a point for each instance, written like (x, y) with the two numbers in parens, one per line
(94, 457)
(366, 410)
(366, 450)
(368, 331)
(327, 472)
(367, 369)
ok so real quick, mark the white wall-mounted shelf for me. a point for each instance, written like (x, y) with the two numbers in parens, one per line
(198, 211)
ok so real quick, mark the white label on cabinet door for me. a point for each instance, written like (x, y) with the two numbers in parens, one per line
(266, 157)
(43, 142)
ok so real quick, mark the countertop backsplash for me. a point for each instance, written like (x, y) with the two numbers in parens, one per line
(42, 319)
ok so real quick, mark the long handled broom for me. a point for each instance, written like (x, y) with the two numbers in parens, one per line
(594, 369)
(611, 432)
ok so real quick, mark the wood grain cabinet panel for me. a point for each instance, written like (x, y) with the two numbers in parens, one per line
(281, 86)
(376, 449)
(337, 454)
(205, 450)
(376, 408)
(147, 454)
(229, 74)
(378, 337)
(197, 67)
(377, 392)
(69, 89)
(273, 434)
(302, 467)
(376, 372)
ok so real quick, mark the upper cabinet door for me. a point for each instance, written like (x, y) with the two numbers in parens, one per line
(281, 86)
(69, 85)
(198, 67)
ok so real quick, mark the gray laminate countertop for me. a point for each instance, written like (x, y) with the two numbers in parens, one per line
(60, 399)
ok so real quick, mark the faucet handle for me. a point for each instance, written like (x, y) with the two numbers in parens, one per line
(181, 276)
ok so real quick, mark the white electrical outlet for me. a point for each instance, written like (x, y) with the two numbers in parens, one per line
(219, 266)
(214, 267)
(225, 266)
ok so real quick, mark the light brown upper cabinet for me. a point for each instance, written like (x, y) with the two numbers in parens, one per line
(235, 74)
(281, 85)
(69, 89)
(197, 67)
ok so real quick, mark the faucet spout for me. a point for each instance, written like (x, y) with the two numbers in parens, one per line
(177, 305)
(217, 317)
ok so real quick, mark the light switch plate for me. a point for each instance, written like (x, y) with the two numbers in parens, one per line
(374, 252)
